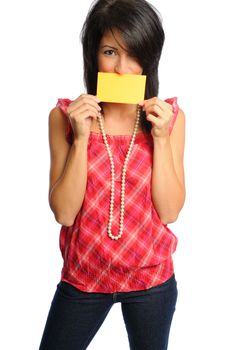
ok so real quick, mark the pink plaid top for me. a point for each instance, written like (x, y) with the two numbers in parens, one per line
(142, 257)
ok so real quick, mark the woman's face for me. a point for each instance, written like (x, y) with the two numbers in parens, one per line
(113, 56)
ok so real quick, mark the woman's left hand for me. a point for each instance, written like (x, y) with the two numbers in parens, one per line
(159, 113)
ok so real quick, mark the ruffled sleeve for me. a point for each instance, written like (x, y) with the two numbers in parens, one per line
(63, 103)
(175, 108)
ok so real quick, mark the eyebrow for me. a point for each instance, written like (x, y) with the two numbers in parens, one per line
(112, 47)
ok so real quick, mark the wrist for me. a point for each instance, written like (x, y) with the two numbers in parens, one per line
(80, 141)
(162, 140)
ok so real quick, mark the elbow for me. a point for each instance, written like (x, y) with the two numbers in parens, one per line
(61, 218)
(172, 215)
(64, 218)
(168, 219)
(64, 221)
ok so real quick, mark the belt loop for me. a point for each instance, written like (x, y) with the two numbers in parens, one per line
(114, 296)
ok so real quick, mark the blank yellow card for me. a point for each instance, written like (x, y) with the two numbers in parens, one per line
(121, 88)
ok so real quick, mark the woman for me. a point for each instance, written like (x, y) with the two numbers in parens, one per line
(116, 182)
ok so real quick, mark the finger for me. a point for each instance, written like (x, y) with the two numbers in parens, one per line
(88, 113)
(157, 121)
(155, 110)
(84, 101)
(163, 104)
(141, 103)
(94, 97)
(158, 112)
(83, 108)
(156, 101)
(82, 111)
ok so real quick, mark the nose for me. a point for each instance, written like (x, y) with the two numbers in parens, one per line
(122, 65)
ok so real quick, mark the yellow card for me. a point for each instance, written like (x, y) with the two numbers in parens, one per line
(121, 88)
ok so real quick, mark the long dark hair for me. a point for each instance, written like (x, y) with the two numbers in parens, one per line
(140, 26)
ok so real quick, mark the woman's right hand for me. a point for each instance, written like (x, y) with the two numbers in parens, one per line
(80, 113)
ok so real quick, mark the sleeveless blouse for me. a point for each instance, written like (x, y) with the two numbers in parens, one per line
(142, 257)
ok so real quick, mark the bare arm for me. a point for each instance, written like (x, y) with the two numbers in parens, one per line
(68, 171)
(168, 185)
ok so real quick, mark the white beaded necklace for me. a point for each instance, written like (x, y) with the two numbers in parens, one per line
(101, 127)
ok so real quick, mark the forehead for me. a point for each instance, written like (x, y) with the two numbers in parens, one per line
(113, 38)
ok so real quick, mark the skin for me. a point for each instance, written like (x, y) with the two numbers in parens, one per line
(168, 184)
(114, 58)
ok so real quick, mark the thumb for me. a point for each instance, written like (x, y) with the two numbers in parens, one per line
(141, 103)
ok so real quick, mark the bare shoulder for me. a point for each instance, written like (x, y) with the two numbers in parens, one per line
(177, 137)
(177, 141)
(57, 127)
(57, 119)
(180, 120)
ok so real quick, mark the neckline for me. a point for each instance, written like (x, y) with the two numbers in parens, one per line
(141, 136)
(110, 135)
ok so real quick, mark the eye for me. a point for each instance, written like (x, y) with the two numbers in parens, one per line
(109, 52)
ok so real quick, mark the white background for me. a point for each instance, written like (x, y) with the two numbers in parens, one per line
(41, 60)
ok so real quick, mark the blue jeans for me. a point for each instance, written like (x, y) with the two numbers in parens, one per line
(76, 316)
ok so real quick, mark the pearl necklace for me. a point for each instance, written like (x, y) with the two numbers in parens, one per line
(101, 127)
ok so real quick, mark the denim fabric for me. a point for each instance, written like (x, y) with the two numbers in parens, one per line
(75, 316)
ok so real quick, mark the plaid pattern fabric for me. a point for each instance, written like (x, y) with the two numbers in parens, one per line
(142, 257)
